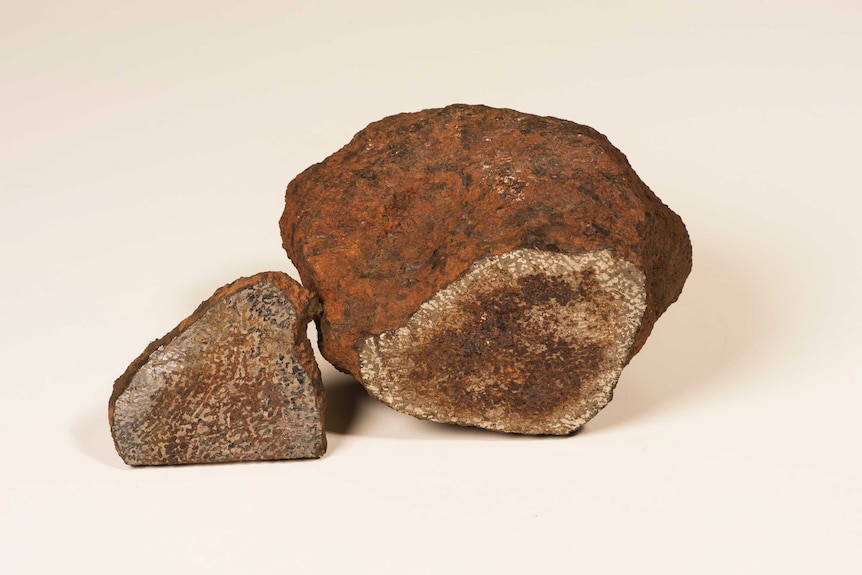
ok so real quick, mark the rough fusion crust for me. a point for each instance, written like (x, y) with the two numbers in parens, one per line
(414, 200)
(236, 381)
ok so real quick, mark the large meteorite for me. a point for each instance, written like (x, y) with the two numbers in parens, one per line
(484, 267)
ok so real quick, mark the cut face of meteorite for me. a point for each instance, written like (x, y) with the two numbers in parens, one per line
(236, 381)
(528, 342)
(483, 266)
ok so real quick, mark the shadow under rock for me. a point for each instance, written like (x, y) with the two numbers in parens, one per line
(343, 397)
(723, 322)
(351, 411)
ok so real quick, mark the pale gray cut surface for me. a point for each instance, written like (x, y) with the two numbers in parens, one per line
(529, 341)
(233, 385)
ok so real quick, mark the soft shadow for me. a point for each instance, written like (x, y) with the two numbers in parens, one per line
(350, 411)
(725, 322)
(93, 437)
(722, 323)
(343, 398)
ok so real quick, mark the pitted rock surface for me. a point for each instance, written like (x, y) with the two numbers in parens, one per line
(416, 201)
(236, 381)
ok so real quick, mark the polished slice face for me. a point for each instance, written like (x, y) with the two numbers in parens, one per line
(232, 385)
(529, 341)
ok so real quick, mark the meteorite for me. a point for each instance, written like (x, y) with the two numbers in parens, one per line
(235, 381)
(484, 266)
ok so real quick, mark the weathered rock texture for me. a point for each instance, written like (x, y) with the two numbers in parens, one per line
(236, 381)
(484, 267)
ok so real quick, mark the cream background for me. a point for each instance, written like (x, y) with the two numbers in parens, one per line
(144, 149)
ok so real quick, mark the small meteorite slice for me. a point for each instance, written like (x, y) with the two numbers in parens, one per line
(236, 381)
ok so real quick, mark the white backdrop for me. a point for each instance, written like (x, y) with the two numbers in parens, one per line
(144, 149)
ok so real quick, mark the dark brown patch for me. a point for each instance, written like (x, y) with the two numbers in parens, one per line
(495, 345)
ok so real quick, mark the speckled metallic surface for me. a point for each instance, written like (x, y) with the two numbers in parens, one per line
(527, 342)
(414, 200)
(236, 381)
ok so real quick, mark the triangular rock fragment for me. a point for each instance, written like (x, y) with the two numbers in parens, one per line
(235, 381)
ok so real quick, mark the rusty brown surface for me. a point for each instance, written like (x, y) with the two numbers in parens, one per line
(406, 207)
(235, 381)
